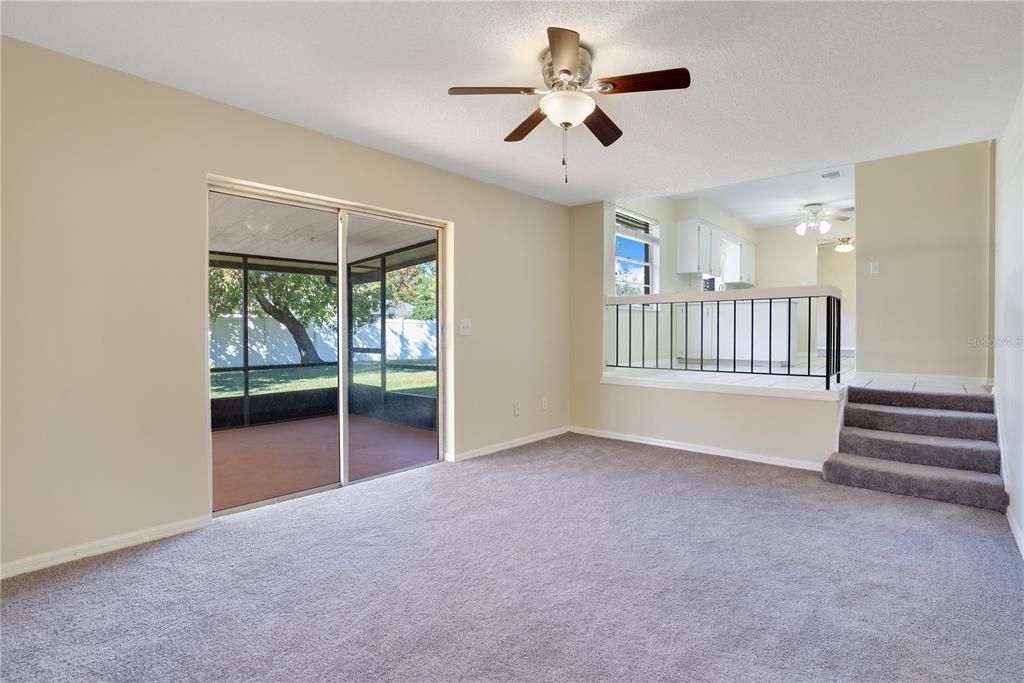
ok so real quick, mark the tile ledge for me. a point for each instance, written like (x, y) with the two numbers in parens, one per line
(833, 395)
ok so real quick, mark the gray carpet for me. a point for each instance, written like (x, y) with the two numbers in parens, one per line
(571, 559)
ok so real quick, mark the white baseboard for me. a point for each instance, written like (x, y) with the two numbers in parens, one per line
(521, 441)
(104, 545)
(1016, 530)
(696, 448)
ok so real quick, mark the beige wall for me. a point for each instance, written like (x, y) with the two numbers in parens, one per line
(785, 259)
(105, 428)
(1008, 341)
(925, 219)
(782, 428)
(840, 270)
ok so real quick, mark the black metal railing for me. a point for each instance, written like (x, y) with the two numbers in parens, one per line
(753, 332)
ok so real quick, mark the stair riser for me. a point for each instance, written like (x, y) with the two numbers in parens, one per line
(972, 403)
(966, 427)
(989, 497)
(920, 454)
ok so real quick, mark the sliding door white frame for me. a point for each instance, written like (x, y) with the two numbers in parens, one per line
(344, 209)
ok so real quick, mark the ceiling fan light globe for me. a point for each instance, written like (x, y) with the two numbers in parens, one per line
(801, 228)
(824, 226)
(567, 107)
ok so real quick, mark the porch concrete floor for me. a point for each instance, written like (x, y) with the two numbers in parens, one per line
(251, 464)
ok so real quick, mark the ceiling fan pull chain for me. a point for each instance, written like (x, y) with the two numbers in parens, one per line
(565, 150)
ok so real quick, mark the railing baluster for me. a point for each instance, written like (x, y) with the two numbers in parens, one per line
(734, 316)
(810, 310)
(702, 336)
(630, 330)
(718, 336)
(618, 324)
(686, 335)
(828, 342)
(643, 335)
(839, 339)
(671, 336)
(770, 338)
(751, 336)
(657, 336)
(789, 336)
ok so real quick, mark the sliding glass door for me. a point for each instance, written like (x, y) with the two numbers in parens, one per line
(274, 376)
(393, 379)
(324, 362)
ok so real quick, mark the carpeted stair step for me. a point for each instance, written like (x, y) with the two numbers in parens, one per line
(978, 455)
(964, 487)
(955, 424)
(972, 403)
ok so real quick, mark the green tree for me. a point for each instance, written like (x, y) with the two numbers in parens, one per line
(416, 286)
(365, 303)
(295, 300)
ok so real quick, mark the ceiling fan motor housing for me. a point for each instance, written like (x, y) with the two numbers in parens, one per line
(555, 81)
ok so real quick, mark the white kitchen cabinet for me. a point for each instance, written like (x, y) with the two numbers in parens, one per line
(699, 248)
(706, 249)
(732, 261)
(748, 263)
(714, 251)
(737, 262)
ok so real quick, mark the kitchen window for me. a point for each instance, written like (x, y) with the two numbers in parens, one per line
(636, 254)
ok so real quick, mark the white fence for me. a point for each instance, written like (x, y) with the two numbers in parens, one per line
(271, 344)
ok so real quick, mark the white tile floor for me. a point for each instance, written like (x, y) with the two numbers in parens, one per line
(926, 385)
(798, 380)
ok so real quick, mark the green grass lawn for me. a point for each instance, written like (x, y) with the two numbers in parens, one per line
(415, 377)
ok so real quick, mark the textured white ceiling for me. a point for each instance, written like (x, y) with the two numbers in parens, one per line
(772, 201)
(241, 225)
(777, 87)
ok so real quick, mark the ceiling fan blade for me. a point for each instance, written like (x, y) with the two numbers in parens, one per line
(524, 128)
(492, 91)
(669, 79)
(565, 51)
(603, 128)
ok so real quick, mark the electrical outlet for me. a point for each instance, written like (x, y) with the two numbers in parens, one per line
(544, 403)
(516, 409)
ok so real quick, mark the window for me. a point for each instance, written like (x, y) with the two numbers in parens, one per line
(636, 254)
(273, 339)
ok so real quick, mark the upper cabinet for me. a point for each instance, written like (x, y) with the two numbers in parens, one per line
(748, 263)
(699, 246)
(705, 248)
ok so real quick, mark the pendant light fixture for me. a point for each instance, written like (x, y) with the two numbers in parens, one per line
(844, 245)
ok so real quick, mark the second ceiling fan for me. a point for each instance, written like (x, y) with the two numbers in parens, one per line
(567, 101)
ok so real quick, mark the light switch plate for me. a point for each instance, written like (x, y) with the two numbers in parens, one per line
(873, 267)
(465, 327)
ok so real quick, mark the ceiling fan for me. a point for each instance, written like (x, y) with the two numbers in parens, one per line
(844, 245)
(567, 101)
(815, 216)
